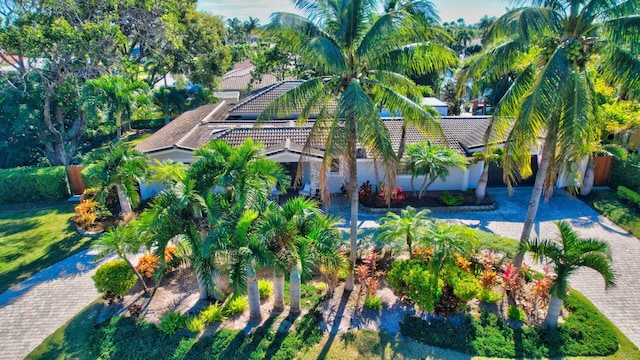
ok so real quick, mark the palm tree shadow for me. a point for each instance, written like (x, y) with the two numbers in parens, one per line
(336, 324)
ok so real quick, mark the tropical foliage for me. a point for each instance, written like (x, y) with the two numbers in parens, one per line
(432, 162)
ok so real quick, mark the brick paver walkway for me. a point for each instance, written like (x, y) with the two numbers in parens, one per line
(35, 308)
(38, 306)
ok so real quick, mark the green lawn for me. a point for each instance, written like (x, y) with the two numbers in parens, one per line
(620, 212)
(33, 239)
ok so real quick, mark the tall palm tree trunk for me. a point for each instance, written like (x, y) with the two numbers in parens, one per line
(253, 294)
(481, 188)
(353, 190)
(294, 289)
(536, 194)
(125, 204)
(553, 313)
(138, 275)
(403, 140)
(278, 290)
(202, 289)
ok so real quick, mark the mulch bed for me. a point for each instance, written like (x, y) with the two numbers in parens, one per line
(432, 199)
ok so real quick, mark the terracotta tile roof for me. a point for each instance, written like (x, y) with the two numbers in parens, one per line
(182, 131)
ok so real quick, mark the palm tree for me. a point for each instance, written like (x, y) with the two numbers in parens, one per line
(118, 167)
(360, 59)
(552, 46)
(432, 161)
(486, 157)
(118, 93)
(121, 239)
(448, 239)
(408, 226)
(572, 254)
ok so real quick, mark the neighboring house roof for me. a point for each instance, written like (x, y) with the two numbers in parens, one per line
(240, 76)
(195, 128)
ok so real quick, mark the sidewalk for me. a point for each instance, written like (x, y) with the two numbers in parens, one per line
(38, 306)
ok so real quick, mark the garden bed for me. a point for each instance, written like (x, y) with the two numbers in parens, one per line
(432, 200)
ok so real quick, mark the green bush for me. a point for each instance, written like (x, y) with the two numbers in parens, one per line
(373, 302)
(449, 199)
(114, 278)
(490, 296)
(320, 287)
(629, 195)
(465, 285)
(586, 332)
(412, 279)
(515, 313)
(195, 324)
(265, 288)
(236, 306)
(212, 313)
(624, 174)
(29, 184)
(171, 322)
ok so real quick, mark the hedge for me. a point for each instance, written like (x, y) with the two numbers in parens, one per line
(30, 184)
(624, 174)
(147, 124)
(629, 195)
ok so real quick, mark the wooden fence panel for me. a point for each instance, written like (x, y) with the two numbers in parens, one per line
(602, 171)
(75, 179)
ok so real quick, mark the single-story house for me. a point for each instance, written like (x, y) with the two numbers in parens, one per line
(284, 140)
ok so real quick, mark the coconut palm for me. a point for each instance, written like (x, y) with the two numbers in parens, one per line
(119, 167)
(486, 157)
(553, 46)
(122, 240)
(361, 61)
(407, 226)
(431, 161)
(118, 94)
(570, 255)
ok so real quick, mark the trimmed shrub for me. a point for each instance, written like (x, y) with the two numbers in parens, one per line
(265, 288)
(373, 302)
(624, 174)
(212, 313)
(629, 195)
(30, 184)
(236, 306)
(515, 313)
(449, 199)
(114, 278)
(171, 322)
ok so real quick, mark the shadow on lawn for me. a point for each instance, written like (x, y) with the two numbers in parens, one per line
(336, 324)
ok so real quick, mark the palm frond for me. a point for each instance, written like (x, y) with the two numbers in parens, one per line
(621, 67)
(305, 97)
(527, 22)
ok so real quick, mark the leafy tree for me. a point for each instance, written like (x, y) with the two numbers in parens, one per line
(432, 161)
(177, 100)
(572, 254)
(551, 46)
(409, 226)
(360, 58)
(118, 93)
(119, 168)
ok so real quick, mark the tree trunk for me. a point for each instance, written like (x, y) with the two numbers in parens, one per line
(534, 202)
(138, 275)
(555, 307)
(294, 290)
(353, 189)
(118, 126)
(217, 286)
(278, 290)
(125, 204)
(409, 244)
(424, 186)
(481, 189)
(589, 177)
(254, 295)
(204, 294)
(403, 139)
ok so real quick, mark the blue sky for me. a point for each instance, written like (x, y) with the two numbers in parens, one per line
(470, 10)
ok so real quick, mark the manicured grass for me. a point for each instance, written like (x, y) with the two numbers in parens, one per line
(497, 243)
(124, 338)
(33, 239)
(620, 212)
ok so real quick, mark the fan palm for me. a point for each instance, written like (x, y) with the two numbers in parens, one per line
(553, 46)
(572, 254)
(407, 226)
(118, 93)
(119, 167)
(431, 161)
(361, 58)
